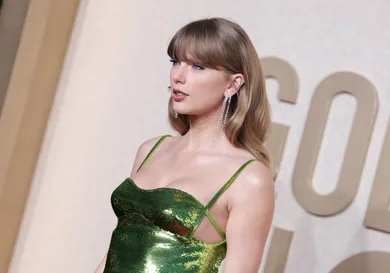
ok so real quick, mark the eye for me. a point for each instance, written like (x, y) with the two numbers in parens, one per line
(197, 67)
(174, 62)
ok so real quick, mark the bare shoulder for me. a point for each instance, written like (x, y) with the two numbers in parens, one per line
(143, 151)
(147, 145)
(255, 184)
(259, 175)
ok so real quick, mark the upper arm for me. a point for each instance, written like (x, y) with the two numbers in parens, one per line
(250, 219)
(142, 152)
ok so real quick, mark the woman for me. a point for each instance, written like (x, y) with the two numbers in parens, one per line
(194, 199)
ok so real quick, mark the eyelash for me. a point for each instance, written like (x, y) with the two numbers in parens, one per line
(198, 67)
(174, 62)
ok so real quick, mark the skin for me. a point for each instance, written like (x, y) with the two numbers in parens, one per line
(201, 161)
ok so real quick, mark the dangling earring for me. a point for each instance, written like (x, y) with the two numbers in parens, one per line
(176, 114)
(224, 111)
(227, 109)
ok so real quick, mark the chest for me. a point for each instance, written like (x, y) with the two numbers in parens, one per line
(200, 176)
(170, 209)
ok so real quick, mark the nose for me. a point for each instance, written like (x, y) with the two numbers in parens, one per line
(178, 73)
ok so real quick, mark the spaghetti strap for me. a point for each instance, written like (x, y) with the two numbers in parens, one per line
(217, 195)
(152, 150)
(228, 183)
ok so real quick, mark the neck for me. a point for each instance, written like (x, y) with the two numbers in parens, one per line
(204, 134)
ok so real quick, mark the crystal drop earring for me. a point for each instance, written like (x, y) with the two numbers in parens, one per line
(222, 117)
(227, 109)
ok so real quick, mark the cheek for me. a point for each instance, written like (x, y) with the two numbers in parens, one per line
(210, 84)
(171, 77)
(207, 93)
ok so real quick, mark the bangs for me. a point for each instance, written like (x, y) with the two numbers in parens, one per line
(199, 43)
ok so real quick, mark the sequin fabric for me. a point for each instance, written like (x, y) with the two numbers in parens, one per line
(154, 232)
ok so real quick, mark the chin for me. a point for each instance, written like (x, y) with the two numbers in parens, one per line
(187, 111)
(181, 110)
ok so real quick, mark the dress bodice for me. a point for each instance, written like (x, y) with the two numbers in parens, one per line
(154, 233)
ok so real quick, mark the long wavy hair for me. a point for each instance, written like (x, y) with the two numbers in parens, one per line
(222, 44)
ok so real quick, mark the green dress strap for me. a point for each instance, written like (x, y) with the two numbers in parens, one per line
(228, 183)
(152, 150)
(219, 193)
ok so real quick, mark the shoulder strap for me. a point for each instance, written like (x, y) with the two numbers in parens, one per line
(228, 183)
(152, 150)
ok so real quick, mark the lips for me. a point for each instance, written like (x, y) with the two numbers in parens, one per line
(179, 92)
(178, 95)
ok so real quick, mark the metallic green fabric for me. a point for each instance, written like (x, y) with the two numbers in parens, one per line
(154, 233)
(155, 230)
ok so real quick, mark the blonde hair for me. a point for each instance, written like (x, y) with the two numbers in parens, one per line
(222, 44)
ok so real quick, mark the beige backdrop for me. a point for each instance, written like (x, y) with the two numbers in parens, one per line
(330, 140)
(31, 63)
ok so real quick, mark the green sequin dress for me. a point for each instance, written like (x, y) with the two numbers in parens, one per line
(155, 230)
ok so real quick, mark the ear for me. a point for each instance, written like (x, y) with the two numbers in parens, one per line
(235, 83)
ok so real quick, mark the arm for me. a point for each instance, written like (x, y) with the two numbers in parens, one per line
(250, 216)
